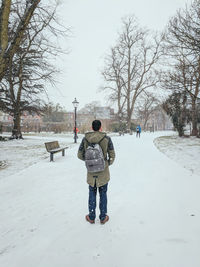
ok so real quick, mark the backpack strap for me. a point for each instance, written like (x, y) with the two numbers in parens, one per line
(101, 139)
(99, 144)
(87, 141)
(89, 144)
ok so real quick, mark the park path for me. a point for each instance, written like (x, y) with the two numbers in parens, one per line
(153, 207)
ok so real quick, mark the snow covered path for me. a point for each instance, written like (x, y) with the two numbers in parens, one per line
(153, 207)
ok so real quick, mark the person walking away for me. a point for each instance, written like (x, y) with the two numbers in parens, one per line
(138, 131)
(98, 175)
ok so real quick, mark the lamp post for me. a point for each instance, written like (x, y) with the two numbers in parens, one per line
(75, 103)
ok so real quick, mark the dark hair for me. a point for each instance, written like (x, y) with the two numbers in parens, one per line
(96, 125)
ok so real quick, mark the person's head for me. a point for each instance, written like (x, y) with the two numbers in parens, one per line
(96, 125)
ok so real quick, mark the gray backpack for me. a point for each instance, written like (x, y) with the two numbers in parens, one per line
(94, 158)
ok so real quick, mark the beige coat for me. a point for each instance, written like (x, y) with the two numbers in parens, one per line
(100, 178)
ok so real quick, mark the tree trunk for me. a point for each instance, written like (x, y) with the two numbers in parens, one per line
(128, 122)
(194, 118)
(7, 52)
(4, 19)
(16, 132)
(180, 128)
(145, 124)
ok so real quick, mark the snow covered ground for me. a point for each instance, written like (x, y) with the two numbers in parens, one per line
(16, 155)
(185, 151)
(153, 204)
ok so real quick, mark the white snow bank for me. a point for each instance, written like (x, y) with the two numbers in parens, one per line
(16, 155)
(185, 151)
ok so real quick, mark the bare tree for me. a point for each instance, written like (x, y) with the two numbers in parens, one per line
(183, 29)
(183, 46)
(145, 107)
(91, 109)
(8, 47)
(30, 67)
(130, 69)
(185, 78)
(113, 73)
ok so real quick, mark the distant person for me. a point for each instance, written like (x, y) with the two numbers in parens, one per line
(97, 150)
(77, 131)
(138, 131)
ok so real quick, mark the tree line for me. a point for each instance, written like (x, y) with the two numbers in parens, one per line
(157, 69)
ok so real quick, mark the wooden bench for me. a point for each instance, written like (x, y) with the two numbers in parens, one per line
(54, 147)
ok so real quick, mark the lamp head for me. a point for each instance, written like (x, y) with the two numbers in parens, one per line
(75, 103)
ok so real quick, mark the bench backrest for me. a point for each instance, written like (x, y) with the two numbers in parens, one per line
(51, 145)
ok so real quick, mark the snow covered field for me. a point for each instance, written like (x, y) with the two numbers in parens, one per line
(17, 155)
(153, 204)
(185, 151)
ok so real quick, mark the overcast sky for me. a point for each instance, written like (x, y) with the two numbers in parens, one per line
(94, 25)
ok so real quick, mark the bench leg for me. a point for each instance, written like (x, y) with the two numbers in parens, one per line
(51, 156)
(63, 152)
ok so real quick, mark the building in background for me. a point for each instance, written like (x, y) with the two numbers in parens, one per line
(85, 117)
(157, 121)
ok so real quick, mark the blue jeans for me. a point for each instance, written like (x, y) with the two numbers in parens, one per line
(102, 202)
